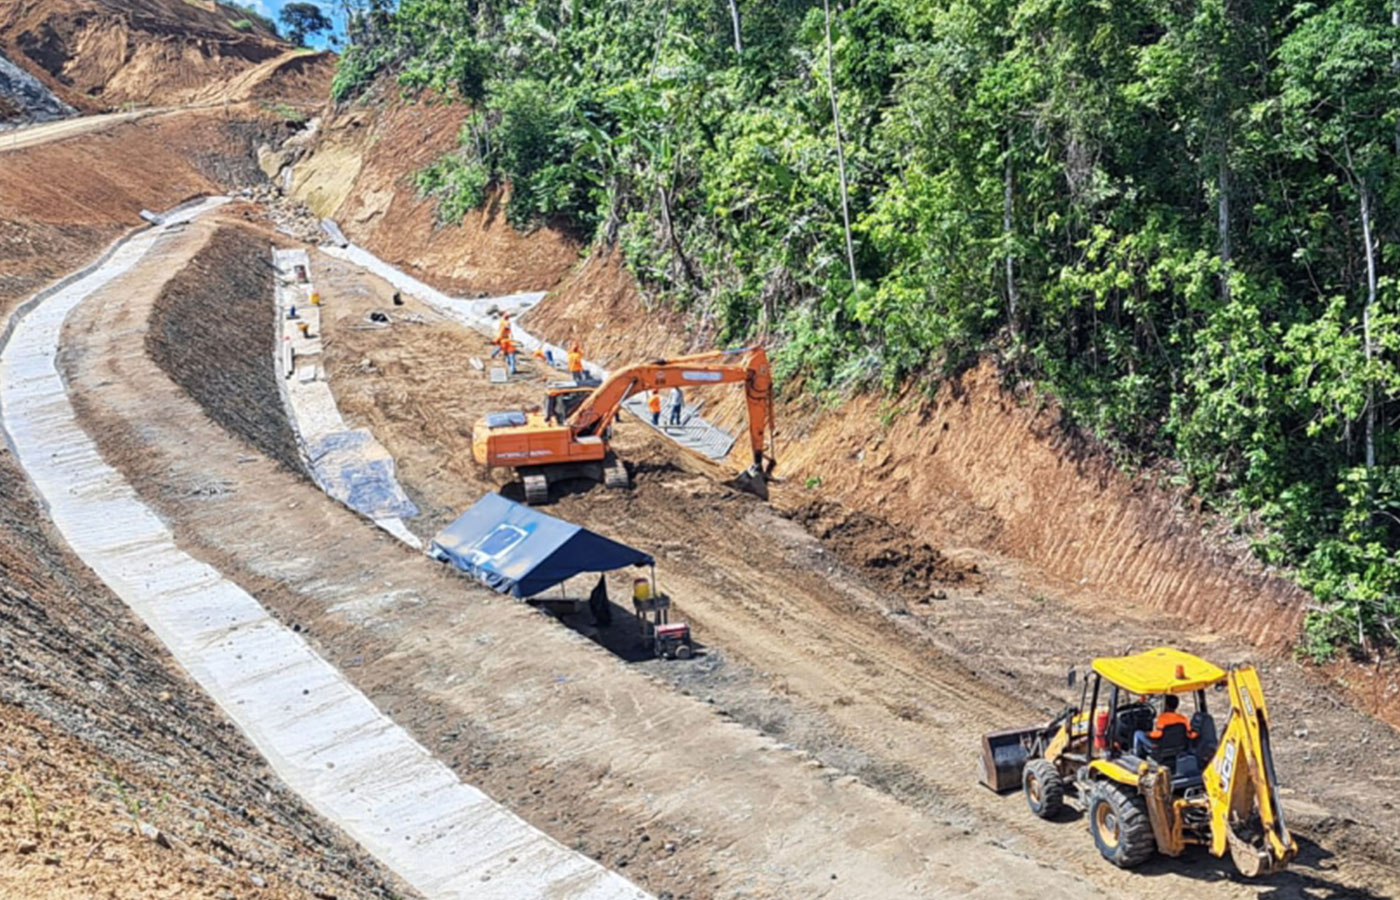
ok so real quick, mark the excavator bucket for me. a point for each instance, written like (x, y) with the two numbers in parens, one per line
(1004, 756)
(751, 481)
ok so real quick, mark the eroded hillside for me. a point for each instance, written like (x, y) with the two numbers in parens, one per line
(99, 55)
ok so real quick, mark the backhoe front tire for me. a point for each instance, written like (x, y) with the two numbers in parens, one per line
(1045, 791)
(1120, 826)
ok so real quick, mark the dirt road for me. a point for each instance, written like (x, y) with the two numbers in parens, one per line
(237, 90)
(668, 789)
(848, 640)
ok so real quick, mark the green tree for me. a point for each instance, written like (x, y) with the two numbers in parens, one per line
(303, 20)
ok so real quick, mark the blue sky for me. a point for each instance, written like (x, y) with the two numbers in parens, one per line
(271, 8)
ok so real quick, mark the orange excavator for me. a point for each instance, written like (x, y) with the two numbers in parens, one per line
(549, 446)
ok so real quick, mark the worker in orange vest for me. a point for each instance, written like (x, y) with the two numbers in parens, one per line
(654, 404)
(502, 334)
(576, 362)
(508, 347)
(1143, 741)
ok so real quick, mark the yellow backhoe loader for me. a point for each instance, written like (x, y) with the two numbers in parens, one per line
(1147, 787)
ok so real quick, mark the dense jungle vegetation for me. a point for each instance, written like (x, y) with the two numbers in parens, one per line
(1180, 216)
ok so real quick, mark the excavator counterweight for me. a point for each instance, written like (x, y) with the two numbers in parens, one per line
(547, 447)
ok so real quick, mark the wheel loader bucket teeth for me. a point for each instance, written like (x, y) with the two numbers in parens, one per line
(1004, 755)
(751, 481)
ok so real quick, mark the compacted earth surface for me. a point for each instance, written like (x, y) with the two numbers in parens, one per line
(823, 743)
(861, 661)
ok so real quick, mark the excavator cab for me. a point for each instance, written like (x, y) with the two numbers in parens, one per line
(1144, 794)
(562, 398)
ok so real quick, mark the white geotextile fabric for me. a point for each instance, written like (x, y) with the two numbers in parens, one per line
(323, 737)
(360, 473)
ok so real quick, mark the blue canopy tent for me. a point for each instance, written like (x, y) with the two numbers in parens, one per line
(516, 550)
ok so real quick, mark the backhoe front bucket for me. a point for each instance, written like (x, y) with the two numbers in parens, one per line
(751, 481)
(1004, 755)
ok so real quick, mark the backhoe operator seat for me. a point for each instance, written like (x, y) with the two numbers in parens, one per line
(1170, 745)
(1173, 750)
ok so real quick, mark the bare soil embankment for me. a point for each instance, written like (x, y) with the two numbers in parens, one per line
(360, 171)
(99, 733)
(62, 203)
(976, 467)
(192, 323)
(98, 55)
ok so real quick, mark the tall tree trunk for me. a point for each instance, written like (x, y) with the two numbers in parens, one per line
(840, 151)
(660, 39)
(668, 222)
(1366, 323)
(734, 14)
(1008, 196)
(1222, 203)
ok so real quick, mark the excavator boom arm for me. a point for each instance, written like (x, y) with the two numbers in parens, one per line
(748, 366)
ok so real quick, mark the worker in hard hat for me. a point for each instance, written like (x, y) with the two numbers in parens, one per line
(502, 334)
(576, 362)
(654, 404)
(509, 348)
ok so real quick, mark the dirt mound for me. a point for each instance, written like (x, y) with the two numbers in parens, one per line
(885, 554)
(100, 54)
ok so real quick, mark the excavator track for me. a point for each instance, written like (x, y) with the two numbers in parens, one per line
(536, 489)
(615, 475)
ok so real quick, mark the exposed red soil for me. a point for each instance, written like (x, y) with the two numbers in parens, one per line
(100, 54)
(61, 203)
(361, 174)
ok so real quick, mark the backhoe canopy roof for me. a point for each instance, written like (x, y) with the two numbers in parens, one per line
(1160, 671)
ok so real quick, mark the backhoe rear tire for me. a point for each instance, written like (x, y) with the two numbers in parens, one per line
(1044, 789)
(1120, 826)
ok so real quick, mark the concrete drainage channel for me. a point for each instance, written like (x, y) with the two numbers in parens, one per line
(347, 463)
(323, 737)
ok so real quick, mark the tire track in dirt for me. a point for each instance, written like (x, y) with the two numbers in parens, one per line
(611, 761)
(862, 678)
